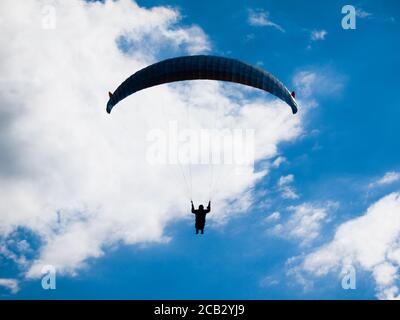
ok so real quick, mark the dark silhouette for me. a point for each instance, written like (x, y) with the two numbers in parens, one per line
(201, 216)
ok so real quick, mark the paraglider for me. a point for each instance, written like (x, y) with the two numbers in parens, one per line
(201, 67)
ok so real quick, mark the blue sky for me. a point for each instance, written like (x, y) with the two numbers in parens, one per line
(345, 161)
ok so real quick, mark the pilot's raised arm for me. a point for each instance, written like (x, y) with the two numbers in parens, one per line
(193, 210)
(208, 207)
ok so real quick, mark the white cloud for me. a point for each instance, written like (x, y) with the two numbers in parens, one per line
(260, 18)
(275, 216)
(278, 161)
(305, 222)
(388, 178)
(371, 242)
(80, 179)
(10, 284)
(306, 82)
(269, 281)
(23, 246)
(317, 35)
(17, 257)
(287, 191)
(361, 13)
(285, 180)
(318, 82)
(314, 83)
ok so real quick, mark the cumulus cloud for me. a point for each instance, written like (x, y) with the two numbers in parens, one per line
(304, 223)
(260, 18)
(77, 177)
(10, 284)
(370, 242)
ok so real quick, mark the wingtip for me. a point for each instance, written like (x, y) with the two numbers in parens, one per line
(294, 105)
(109, 107)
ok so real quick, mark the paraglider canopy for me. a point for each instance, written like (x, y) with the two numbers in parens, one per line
(202, 67)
